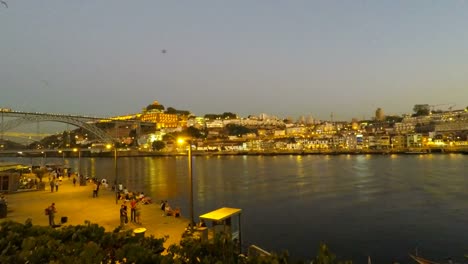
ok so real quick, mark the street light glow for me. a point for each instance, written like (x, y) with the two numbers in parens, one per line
(182, 141)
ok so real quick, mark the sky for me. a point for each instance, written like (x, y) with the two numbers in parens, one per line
(283, 58)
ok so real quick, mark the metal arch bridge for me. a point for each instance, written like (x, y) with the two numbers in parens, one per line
(85, 122)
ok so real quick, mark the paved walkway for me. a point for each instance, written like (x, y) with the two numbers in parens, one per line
(78, 204)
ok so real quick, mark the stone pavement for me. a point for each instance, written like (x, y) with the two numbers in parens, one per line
(78, 204)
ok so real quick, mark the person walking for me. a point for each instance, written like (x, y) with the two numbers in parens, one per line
(123, 215)
(51, 211)
(74, 181)
(133, 205)
(95, 190)
(138, 213)
(56, 185)
(52, 185)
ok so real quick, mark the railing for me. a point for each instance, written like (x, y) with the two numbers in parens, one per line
(254, 250)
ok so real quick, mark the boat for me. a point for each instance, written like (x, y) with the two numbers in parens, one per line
(416, 151)
(421, 260)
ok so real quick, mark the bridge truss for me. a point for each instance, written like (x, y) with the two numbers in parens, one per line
(84, 122)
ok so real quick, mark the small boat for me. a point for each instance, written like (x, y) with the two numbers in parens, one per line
(421, 260)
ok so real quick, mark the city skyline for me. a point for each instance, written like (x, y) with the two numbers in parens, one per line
(310, 58)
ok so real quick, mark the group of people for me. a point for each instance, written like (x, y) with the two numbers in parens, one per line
(168, 211)
(135, 212)
(125, 195)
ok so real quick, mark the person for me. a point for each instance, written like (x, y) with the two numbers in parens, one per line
(74, 181)
(133, 205)
(163, 205)
(95, 190)
(51, 211)
(123, 215)
(3, 199)
(52, 185)
(168, 210)
(138, 214)
(176, 212)
(56, 186)
(202, 223)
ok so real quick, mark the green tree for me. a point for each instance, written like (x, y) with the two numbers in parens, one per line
(228, 115)
(40, 173)
(421, 110)
(194, 132)
(158, 145)
(237, 130)
(155, 107)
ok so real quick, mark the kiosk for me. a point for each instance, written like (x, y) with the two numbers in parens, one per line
(224, 220)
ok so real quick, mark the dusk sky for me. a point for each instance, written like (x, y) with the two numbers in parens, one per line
(284, 58)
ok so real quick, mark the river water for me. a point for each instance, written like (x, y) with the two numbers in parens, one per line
(383, 206)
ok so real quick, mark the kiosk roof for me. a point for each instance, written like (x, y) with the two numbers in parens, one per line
(221, 214)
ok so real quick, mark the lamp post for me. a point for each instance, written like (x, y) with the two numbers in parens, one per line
(109, 146)
(43, 158)
(63, 156)
(190, 173)
(79, 162)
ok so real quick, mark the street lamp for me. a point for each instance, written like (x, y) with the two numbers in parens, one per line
(63, 156)
(44, 157)
(109, 146)
(79, 162)
(190, 173)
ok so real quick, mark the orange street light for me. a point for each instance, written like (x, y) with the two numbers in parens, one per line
(190, 173)
(109, 146)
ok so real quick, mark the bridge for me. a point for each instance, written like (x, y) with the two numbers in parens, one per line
(88, 123)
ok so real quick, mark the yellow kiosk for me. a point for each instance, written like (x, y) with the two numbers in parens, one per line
(223, 220)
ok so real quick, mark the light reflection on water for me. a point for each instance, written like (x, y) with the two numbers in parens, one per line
(384, 205)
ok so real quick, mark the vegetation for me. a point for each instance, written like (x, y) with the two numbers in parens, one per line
(225, 115)
(172, 110)
(89, 243)
(158, 145)
(40, 173)
(421, 110)
(238, 130)
(155, 107)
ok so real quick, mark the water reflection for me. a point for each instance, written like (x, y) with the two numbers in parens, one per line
(383, 205)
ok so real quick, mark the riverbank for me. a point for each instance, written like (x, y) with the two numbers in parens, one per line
(147, 153)
(77, 203)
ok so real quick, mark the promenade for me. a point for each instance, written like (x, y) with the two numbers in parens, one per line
(78, 204)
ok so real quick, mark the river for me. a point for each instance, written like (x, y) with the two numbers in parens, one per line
(383, 206)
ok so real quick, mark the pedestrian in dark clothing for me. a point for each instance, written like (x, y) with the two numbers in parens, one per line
(51, 210)
(123, 215)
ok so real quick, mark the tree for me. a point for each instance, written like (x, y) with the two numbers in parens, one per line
(236, 130)
(421, 110)
(171, 110)
(158, 145)
(40, 173)
(228, 115)
(194, 132)
(88, 243)
(155, 107)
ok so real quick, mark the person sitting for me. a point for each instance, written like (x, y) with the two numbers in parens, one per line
(168, 210)
(202, 223)
(176, 212)
(146, 200)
